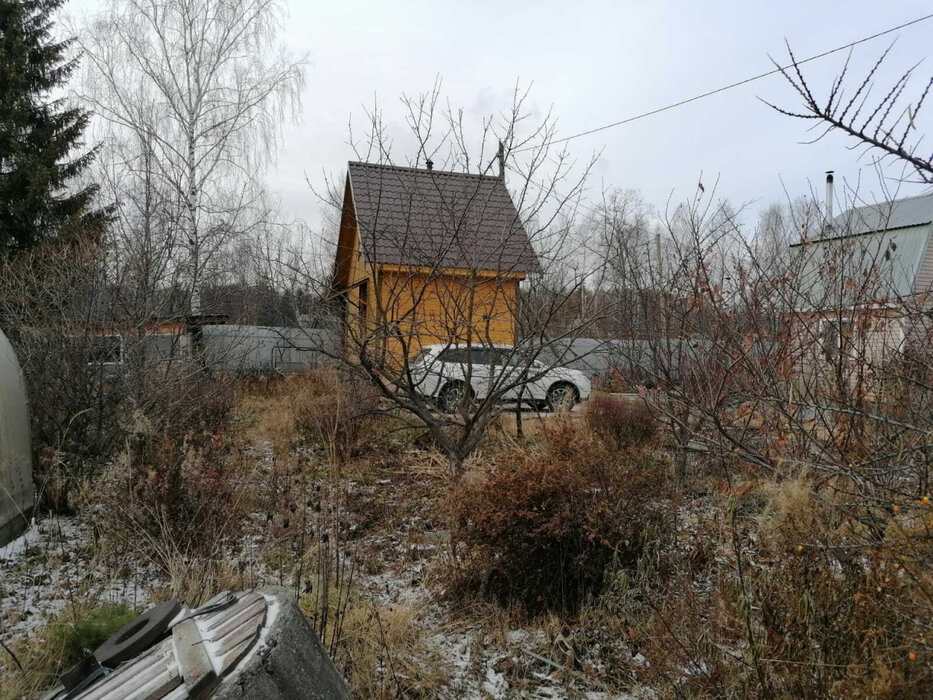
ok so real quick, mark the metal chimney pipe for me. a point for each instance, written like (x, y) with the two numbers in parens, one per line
(829, 196)
(430, 164)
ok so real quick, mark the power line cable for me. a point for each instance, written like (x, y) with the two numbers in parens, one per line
(730, 86)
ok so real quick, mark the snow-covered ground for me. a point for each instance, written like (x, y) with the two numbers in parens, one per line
(49, 568)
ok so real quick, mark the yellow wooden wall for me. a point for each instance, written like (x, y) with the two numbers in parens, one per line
(453, 307)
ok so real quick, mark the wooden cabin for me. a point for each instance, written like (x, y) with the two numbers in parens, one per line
(426, 257)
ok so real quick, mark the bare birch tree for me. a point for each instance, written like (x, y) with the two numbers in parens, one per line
(198, 90)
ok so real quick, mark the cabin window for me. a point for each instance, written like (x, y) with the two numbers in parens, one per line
(364, 299)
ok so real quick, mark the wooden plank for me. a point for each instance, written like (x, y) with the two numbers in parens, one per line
(213, 618)
(180, 692)
(244, 631)
(193, 660)
(232, 656)
(128, 687)
(216, 599)
(158, 687)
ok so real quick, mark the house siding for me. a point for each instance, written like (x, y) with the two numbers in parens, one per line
(924, 281)
(878, 336)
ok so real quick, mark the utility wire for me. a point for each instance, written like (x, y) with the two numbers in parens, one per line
(730, 86)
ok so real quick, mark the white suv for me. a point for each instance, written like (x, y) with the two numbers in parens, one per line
(440, 372)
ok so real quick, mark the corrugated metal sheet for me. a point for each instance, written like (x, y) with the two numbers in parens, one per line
(16, 488)
(886, 263)
(233, 348)
(901, 213)
(635, 359)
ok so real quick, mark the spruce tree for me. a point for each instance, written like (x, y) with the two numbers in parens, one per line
(40, 135)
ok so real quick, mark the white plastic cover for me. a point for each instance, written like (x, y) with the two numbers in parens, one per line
(16, 487)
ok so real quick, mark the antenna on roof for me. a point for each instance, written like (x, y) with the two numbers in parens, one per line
(501, 157)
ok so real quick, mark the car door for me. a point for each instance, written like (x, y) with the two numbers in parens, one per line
(507, 370)
(478, 359)
(539, 380)
(448, 366)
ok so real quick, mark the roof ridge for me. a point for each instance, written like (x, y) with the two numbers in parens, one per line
(446, 173)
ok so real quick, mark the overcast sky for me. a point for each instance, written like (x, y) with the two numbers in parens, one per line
(595, 63)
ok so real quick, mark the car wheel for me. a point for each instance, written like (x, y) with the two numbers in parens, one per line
(450, 397)
(562, 397)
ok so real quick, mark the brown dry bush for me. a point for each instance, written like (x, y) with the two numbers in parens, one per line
(170, 492)
(619, 422)
(545, 524)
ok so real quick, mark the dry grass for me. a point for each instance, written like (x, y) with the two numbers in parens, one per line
(780, 587)
(266, 410)
(63, 642)
(383, 652)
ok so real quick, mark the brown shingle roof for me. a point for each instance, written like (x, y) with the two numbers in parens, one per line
(437, 219)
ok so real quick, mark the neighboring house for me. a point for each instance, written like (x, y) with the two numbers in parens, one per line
(427, 257)
(860, 284)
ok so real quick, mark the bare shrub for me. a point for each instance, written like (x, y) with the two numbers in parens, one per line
(619, 422)
(170, 494)
(59, 307)
(544, 524)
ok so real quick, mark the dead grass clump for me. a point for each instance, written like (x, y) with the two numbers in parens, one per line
(843, 593)
(544, 525)
(384, 655)
(380, 649)
(266, 409)
(814, 597)
(619, 422)
(63, 642)
(334, 411)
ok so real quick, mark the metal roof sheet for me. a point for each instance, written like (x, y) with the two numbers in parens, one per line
(850, 270)
(900, 213)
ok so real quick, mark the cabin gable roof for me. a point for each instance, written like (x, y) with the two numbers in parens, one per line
(436, 220)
